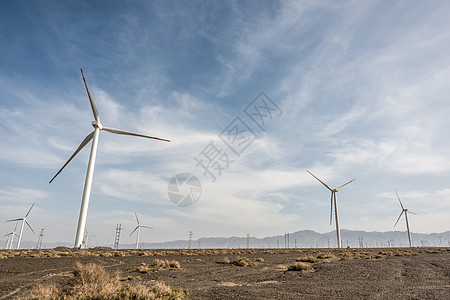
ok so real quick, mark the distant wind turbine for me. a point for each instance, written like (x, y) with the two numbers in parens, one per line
(86, 237)
(406, 211)
(90, 170)
(11, 236)
(138, 228)
(24, 220)
(333, 200)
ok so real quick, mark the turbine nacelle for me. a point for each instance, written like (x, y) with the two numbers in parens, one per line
(97, 124)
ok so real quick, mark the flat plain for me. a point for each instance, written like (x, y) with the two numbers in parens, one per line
(382, 273)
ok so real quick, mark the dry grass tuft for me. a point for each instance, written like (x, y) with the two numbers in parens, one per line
(244, 262)
(345, 256)
(281, 266)
(310, 259)
(166, 264)
(323, 255)
(300, 266)
(91, 281)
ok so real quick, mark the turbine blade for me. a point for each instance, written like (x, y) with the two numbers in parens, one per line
(410, 212)
(345, 184)
(146, 227)
(399, 217)
(83, 143)
(320, 181)
(399, 199)
(94, 108)
(331, 211)
(134, 230)
(14, 220)
(137, 218)
(29, 225)
(29, 210)
(118, 131)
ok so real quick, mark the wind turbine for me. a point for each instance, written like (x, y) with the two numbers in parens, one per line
(24, 220)
(406, 211)
(11, 236)
(138, 228)
(90, 170)
(86, 237)
(333, 200)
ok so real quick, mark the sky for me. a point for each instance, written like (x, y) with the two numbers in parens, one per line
(250, 93)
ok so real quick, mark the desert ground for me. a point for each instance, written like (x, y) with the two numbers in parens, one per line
(385, 273)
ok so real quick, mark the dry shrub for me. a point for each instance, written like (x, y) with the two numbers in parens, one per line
(300, 266)
(244, 262)
(91, 281)
(346, 256)
(323, 255)
(310, 259)
(281, 266)
(44, 292)
(260, 259)
(166, 264)
(403, 253)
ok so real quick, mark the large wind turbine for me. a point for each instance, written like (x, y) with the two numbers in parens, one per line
(333, 199)
(406, 211)
(138, 228)
(90, 170)
(24, 220)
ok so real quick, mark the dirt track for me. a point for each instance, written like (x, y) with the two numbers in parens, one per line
(347, 274)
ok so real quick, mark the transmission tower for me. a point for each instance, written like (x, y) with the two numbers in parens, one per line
(39, 242)
(361, 243)
(191, 233)
(116, 240)
(286, 240)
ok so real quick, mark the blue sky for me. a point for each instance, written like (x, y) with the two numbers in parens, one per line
(362, 86)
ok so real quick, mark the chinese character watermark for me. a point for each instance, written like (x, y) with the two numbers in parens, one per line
(185, 189)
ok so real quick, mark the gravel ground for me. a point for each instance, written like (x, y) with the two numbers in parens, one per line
(340, 274)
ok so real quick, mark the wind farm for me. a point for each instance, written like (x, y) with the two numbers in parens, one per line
(199, 119)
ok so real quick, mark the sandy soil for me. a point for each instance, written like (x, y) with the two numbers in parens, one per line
(345, 274)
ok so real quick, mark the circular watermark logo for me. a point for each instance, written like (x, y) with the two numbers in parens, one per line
(184, 189)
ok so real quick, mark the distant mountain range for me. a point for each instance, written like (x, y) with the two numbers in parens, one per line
(299, 239)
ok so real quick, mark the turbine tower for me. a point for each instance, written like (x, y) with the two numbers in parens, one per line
(90, 170)
(333, 200)
(138, 228)
(24, 220)
(406, 211)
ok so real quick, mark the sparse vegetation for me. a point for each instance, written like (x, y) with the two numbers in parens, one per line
(91, 281)
(244, 262)
(324, 255)
(300, 266)
(310, 259)
(345, 256)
